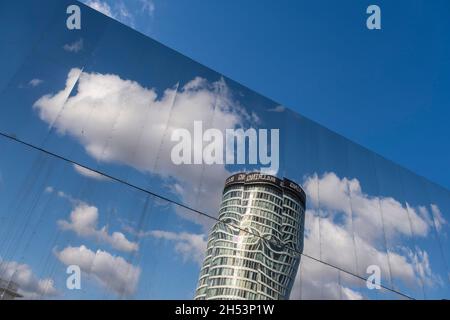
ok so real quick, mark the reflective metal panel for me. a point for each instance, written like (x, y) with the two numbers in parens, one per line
(113, 164)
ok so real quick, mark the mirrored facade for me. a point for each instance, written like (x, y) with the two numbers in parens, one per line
(95, 205)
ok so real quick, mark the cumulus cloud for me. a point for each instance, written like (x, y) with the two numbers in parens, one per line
(335, 238)
(89, 173)
(120, 121)
(83, 221)
(112, 272)
(345, 196)
(29, 285)
(191, 247)
(316, 281)
(124, 15)
(75, 46)
(348, 221)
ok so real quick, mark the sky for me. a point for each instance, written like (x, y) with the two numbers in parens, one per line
(110, 100)
(385, 89)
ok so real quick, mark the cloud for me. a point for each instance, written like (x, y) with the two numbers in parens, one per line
(89, 173)
(191, 247)
(349, 294)
(101, 6)
(112, 272)
(317, 283)
(348, 221)
(119, 121)
(35, 82)
(30, 286)
(84, 220)
(148, 6)
(49, 189)
(365, 210)
(75, 46)
(335, 238)
(124, 15)
(422, 266)
(119, 11)
(439, 219)
(62, 195)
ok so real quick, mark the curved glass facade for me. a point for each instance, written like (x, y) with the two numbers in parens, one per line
(254, 250)
(93, 205)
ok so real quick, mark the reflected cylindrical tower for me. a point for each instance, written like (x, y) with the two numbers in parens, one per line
(253, 252)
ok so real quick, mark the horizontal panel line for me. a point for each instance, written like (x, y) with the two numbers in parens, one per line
(52, 154)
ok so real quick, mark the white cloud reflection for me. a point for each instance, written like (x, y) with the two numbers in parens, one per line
(120, 121)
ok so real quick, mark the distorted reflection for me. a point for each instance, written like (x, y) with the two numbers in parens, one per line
(137, 224)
